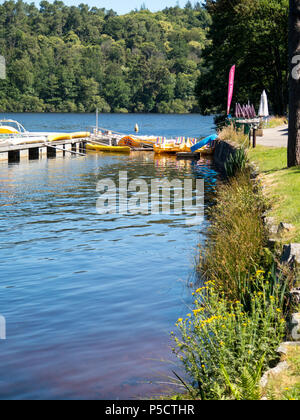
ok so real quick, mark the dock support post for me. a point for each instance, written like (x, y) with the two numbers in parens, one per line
(24, 154)
(43, 152)
(14, 156)
(254, 137)
(59, 153)
(51, 153)
(68, 148)
(34, 153)
(4, 157)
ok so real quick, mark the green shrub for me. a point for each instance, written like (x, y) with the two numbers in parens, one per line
(234, 135)
(236, 238)
(220, 342)
(236, 162)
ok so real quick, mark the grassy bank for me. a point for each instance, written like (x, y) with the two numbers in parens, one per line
(282, 186)
(237, 320)
(286, 385)
(274, 122)
(239, 316)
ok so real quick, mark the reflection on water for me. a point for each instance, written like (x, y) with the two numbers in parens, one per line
(90, 299)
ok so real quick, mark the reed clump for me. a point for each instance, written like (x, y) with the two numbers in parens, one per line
(234, 135)
(237, 236)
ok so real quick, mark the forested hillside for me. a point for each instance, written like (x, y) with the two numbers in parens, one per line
(75, 59)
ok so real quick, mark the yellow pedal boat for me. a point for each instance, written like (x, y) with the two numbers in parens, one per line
(134, 142)
(107, 149)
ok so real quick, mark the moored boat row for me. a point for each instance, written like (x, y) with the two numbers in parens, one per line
(13, 133)
(159, 145)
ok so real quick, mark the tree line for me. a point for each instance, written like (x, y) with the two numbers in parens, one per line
(76, 59)
(253, 35)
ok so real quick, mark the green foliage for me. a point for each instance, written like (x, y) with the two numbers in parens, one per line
(238, 317)
(247, 387)
(236, 162)
(230, 133)
(62, 58)
(236, 236)
(224, 346)
(286, 384)
(253, 34)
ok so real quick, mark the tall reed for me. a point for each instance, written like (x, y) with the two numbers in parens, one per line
(236, 237)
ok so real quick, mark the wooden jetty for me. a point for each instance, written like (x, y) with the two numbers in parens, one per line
(31, 151)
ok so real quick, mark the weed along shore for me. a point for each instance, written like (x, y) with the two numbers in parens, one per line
(246, 301)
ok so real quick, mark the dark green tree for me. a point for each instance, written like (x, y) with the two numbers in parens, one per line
(253, 35)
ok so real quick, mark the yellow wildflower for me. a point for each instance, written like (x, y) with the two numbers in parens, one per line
(197, 311)
(259, 272)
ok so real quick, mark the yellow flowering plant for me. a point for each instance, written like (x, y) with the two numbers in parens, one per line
(220, 335)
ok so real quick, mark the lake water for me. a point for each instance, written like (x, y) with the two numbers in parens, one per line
(89, 299)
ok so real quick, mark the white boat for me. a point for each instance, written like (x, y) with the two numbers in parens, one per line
(13, 133)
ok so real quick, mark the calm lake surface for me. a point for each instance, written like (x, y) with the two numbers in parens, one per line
(90, 300)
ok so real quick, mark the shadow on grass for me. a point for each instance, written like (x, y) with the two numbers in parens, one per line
(273, 171)
(286, 172)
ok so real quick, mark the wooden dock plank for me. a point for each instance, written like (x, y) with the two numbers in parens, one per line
(26, 151)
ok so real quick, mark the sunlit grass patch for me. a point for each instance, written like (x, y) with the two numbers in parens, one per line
(276, 121)
(282, 185)
(286, 385)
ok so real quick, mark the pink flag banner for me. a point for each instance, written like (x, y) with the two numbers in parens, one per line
(230, 88)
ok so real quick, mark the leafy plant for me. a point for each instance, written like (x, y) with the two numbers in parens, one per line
(248, 387)
(220, 343)
(236, 162)
(236, 236)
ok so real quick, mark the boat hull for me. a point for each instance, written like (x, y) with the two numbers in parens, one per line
(136, 142)
(107, 149)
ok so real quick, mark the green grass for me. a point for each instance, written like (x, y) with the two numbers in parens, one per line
(269, 159)
(276, 122)
(282, 186)
(286, 385)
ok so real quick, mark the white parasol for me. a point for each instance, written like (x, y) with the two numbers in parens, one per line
(263, 107)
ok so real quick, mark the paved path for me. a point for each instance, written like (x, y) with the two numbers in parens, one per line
(274, 137)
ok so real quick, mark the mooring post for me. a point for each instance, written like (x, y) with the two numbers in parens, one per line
(254, 136)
